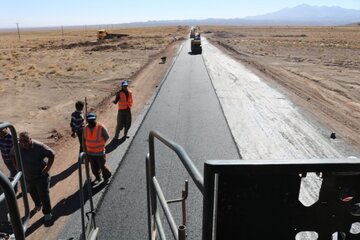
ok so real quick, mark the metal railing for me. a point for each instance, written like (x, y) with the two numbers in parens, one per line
(154, 191)
(89, 230)
(19, 224)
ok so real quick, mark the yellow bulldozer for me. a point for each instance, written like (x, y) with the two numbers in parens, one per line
(102, 34)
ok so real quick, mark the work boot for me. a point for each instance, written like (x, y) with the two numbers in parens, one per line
(126, 134)
(48, 217)
(107, 178)
(96, 181)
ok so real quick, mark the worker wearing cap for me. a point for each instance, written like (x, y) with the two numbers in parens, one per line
(95, 137)
(125, 101)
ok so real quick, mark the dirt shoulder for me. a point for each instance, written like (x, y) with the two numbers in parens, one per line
(318, 68)
(139, 63)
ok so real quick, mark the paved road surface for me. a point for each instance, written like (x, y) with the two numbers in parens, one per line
(187, 111)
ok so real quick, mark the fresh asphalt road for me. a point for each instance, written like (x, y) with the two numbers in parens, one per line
(187, 111)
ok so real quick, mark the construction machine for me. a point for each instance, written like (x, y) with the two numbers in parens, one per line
(103, 34)
(194, 31)
(196, 44)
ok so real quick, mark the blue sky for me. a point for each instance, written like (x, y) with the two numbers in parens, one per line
(35, 13)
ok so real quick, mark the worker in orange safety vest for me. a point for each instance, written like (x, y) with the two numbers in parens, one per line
(95, 136)
(125, 101)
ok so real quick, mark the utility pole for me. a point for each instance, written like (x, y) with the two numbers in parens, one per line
(18, 30)
(62, 30)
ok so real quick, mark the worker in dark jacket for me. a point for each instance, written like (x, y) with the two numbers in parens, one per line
(37, 159)
(125, 101)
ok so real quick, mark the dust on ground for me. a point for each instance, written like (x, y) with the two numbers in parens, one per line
(319, 68)
(43, 75)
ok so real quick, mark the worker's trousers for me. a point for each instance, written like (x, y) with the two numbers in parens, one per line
(39, 192)
(97, 164)
(80, 136)
(123, 121)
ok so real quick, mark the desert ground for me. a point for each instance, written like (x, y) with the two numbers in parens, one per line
(43, 75)
(318, 68)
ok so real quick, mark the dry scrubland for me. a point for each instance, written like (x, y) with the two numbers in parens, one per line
(42, 75)
(318, 66)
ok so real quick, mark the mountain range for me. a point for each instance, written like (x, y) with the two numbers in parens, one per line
(300, 15)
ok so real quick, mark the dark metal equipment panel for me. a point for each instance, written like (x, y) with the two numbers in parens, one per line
(256, 200)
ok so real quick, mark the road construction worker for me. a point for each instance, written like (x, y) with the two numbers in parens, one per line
(95, 136)
(37, 159)
(77, 123)
(125, 101)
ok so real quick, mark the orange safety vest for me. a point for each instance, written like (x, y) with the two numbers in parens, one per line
(125, 103)
(94, 140)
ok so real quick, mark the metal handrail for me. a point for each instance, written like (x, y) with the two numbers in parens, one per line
(19, 177)
(183, 156)
(166, 208)
(13, 208)
(87, 233)
(154, 191)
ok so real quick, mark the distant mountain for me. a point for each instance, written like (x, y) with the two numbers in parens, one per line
(300, 15)
(313, 15)
(304, 15)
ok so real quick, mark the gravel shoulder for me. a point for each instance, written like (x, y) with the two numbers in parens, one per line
(317, 68)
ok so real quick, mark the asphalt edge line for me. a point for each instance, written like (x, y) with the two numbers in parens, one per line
(135, 128)
(221, 107)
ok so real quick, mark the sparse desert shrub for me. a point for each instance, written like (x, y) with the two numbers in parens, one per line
(160, 41)
(103, 48)
(291, 35)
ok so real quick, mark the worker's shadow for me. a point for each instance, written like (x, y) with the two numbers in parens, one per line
(192, 53)
(65, 207)
(63, 175)
(114, 144)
